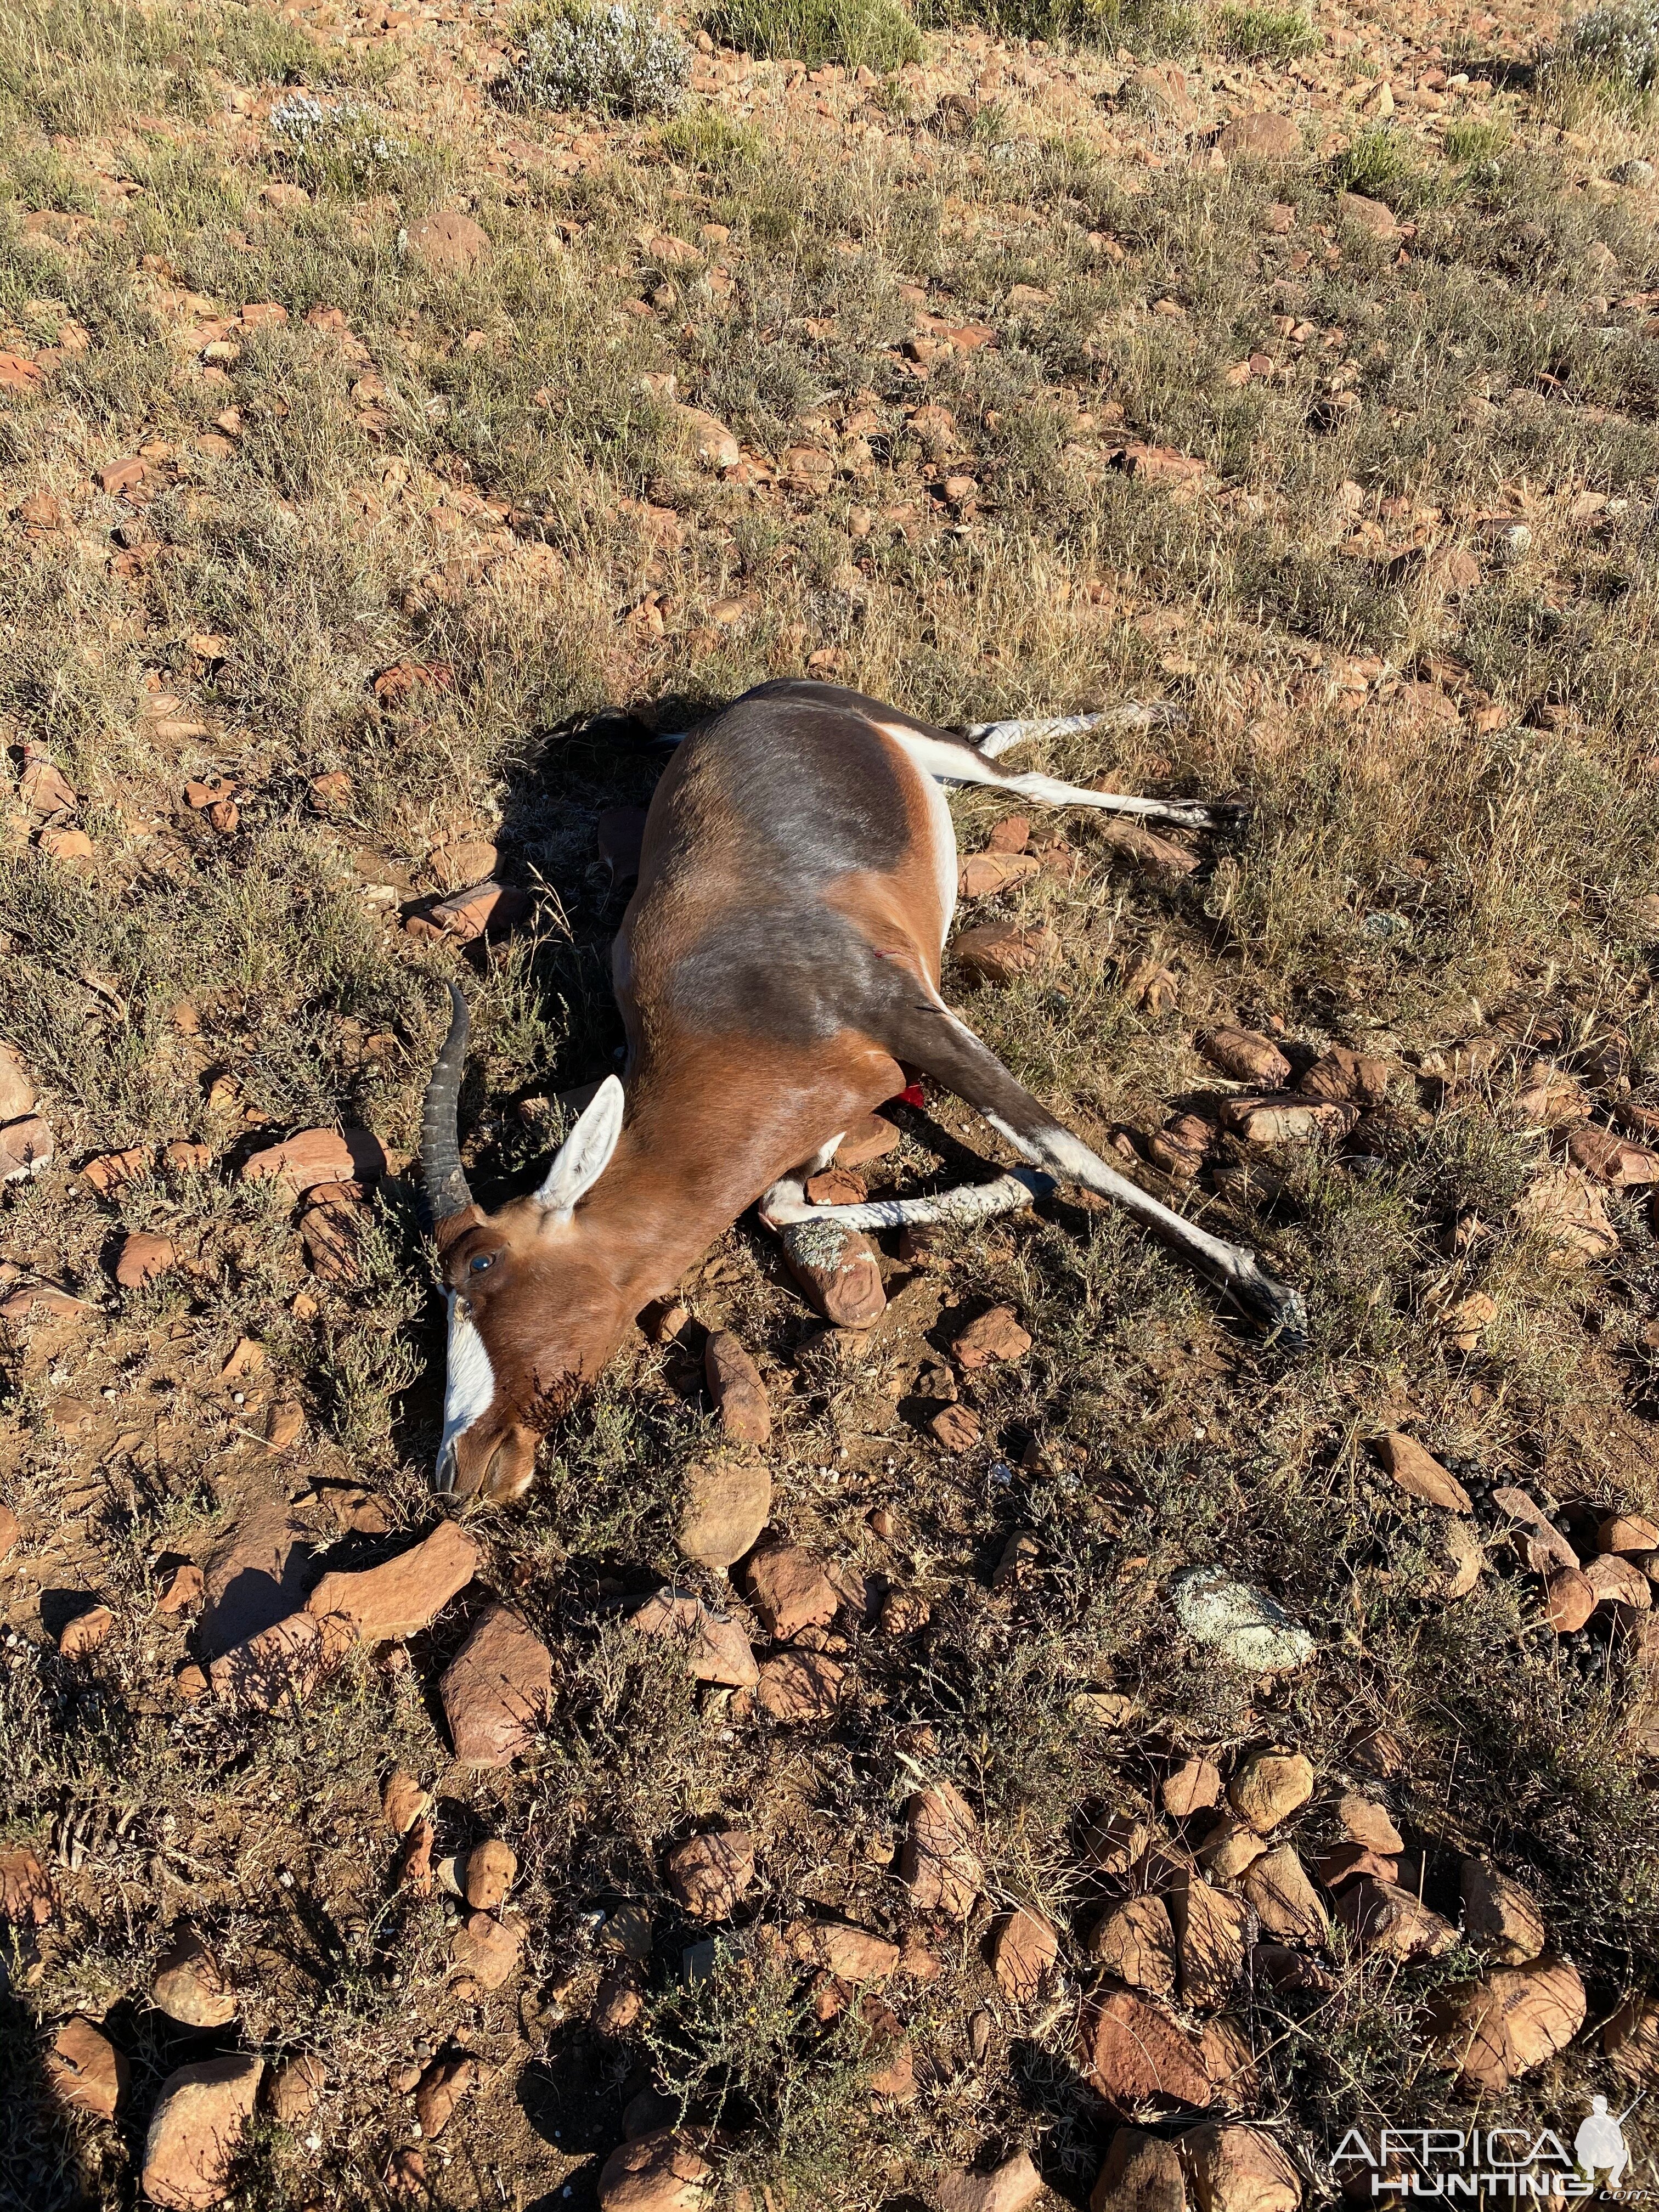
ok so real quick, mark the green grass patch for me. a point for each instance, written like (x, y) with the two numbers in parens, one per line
(1377, 164)
(705, 139)
(1273, 35)
(1469, 139)
(875, 34)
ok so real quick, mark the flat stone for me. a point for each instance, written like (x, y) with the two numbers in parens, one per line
(996, 1335)
(1627, 1532)
(189, 1985)
(658, 2172)
(84, 2070)
(440, 2089)
(1021, 1950)
(255, 1575)
(80, 1637)
(292, 2091)
(1501, 1916)
(1383, 1917)
(854, 1955)
(1192, 1785)
(1278, 1890)
(801, 1685)
(196, 2132)
(940, 1862)
(735, 1385)
(403, 1594)
(1419, 1475)
(487, 1948)
(17, 1092)
(1367, 1822)
(492, 1867)
(497, 1691)
(1009, 2187)
(998, 952)
(839, 1269)
(1130, 2054)
(26, 1149)
(1270, 1787)
(1570, 1598)
(790, 1589)
(1372, 216)
(281, 1665)
(724, 1507)
(1512, 2021)
(1246, 1056)
(26, 1898)
(144, 1259)
(1136, 1942)
(1210, 1929)
(1239, 2170)
(1261, 136)
(447, 242)
(709, 1873)
(1142, 2174)
(716, 1649)
(1229, 1847)
(403, 1801)
(312, 1158)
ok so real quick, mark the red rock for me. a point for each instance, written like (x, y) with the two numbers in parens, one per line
(1142, 2174)
(957, 1428)
(84, 2070)
(1136, 1942)
(869, 1138)
(121, 476)
(1277, 1891)
(801, 1685)
(414, 1860)
(487, 1948)
(619, 2001)
(26, 1898)
(264, 314)
(1022, 1949)
(43, 787)
(709, 1873)
(492, 1867)
(940, 1862)
(403, 1801)
(196, 2131)
(1261, 136)
(998, 951)
(790, 1589)
(716, 1649)
(1381, 1916)
(10, 1530)
(659, 2172)
(25, 1149)
(1627, 1532)
(1570, 1598)
(1618, 1581)
(1192, 1785)
(1499, 1915)
(1420, 1475)
(442, 2088)
(1246, 1056)
(1130, 2054)
(143, 1260)
(110, 1171)
(186, 1158)
(1209, 1931)
(986, 874)
(18, 1092)
(1569, 1214)
(853, 1955)
(312, 1157)
(1369, 216)
(995, 1335)
(1545, 1547)
(1512, 2021)
(65, 844)
(1367, 1822)
(486, 909)
(17, 374)
(497, 1691)
(836, 1186)
(1009, 2187)
(189, 1985)
(1612, 1159)
(1347, 1861)
(839, 1269)
(1270, 1787)
(1239, 2170)
(713, 444)
(735, 1385)
(447, 242)
(1011, 834)
(282, 1664)
(330, 790)
(82, 1635)
(1286, 1117)
(293, 2090)
(403, 1594)
(1349, 1077)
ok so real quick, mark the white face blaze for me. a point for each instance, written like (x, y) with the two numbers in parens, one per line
(469, 1386)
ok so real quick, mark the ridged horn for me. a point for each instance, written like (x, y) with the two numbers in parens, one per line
(442, 1172)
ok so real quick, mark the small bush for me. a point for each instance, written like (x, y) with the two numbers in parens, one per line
(703, 138)
(1467, 141)
(1612, 51)
(611, 61)
(875, 34)
(1146, 26)
(1258, 35)
(343, 146)
(1375, 164)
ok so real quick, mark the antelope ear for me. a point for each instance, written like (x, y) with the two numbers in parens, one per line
(584, 1154)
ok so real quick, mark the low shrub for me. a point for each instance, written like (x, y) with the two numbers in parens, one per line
(612, 60)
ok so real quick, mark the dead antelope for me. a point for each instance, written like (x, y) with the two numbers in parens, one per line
(778, 960)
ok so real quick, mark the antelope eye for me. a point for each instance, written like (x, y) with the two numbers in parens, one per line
(479, 1261)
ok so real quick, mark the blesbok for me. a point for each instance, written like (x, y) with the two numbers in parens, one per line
(779, 959)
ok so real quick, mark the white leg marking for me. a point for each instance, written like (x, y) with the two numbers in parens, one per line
(469, 1382)
(951, 763)
(995, 738)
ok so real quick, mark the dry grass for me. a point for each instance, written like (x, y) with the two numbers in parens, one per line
(466, 472)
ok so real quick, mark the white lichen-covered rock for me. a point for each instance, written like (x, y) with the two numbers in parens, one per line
(1242, 1623)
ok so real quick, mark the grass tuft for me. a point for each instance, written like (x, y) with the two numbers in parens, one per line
(1276, 35)
(876, 34)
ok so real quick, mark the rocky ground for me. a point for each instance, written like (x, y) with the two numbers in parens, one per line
(1021, 1742)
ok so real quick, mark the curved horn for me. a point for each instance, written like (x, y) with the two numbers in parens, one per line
(442, 1172)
